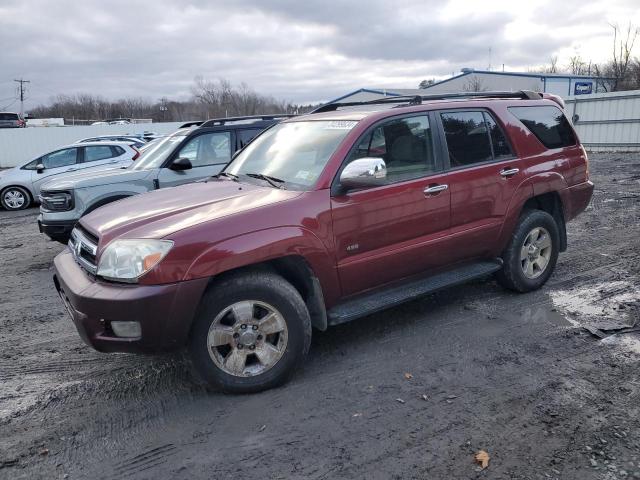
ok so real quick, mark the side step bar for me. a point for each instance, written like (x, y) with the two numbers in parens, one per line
(382, 299)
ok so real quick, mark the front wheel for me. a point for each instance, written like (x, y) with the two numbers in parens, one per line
(531, 255)
(251, 332)
(15, 198)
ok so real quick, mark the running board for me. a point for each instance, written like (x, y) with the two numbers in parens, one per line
(381, 299)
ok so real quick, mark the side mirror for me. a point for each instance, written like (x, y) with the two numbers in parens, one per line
(39, 168)
(364, 172)
(180, 164)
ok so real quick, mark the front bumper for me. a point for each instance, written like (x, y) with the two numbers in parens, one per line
(58, 230)
(165, 312)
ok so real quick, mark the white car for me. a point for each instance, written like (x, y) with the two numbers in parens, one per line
(20, 186)
(137, 142)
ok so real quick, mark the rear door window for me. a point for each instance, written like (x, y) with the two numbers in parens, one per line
(499, 143)
(548, 124)
(9, 116)
(93, 154)
(467, 138)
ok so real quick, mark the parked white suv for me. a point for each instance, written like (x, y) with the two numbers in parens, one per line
(20, 186)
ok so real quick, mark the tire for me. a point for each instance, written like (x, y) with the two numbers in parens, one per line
(524, 269)
(15, 198)
(250, 299)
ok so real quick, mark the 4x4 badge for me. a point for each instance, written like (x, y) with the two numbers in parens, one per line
(352, 248)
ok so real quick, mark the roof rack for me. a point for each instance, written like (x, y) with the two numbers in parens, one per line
(222, 121)
(195, 123)
(418, 99)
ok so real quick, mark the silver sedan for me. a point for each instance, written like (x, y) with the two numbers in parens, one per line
(20, 186)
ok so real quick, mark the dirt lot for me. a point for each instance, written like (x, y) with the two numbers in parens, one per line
(516, 375)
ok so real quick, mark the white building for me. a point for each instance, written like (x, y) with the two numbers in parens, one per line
(470, 80)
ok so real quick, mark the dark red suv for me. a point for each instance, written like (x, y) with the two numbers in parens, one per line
(325, 218)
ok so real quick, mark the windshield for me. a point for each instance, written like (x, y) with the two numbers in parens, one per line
(154, 156)
(295, 152)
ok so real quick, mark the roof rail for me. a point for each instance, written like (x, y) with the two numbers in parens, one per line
(222, 121)
(418, 99)
(191, 124)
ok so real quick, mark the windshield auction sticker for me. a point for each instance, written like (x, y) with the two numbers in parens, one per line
(340, 125)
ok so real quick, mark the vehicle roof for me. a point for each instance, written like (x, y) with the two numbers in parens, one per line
(381, 110)
(89, 144)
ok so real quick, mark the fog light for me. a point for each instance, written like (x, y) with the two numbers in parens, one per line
(126, 329)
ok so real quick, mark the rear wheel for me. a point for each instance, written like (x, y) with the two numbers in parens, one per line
(15, 198)
(251, 332)
(531, 255)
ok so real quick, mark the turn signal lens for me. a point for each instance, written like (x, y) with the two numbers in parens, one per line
(150, 261)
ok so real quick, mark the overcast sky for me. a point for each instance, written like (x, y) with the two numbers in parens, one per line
(297, 50)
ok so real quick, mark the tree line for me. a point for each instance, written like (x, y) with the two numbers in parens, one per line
(209, 99)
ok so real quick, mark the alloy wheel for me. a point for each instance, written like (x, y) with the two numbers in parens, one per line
(535, 253)
(14, 199)
(247, 338)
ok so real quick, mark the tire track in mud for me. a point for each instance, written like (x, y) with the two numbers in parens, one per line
(146, 460)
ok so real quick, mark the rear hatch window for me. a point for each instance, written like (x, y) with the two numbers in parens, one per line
(548, 124)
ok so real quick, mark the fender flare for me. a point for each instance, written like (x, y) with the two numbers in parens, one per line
(102, 202)
(261, 246)
(533, 186)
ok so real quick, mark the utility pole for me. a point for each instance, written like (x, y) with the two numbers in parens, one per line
(21, 90)
(163, 108)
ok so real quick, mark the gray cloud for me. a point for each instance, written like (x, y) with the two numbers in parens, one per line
(296, 50)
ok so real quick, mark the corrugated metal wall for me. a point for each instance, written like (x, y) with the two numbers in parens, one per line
(18, 145)
(607, 121)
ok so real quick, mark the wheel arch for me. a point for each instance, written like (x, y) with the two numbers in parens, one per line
(550, 202)
(541, 192)
(104, 201)
(296, 270)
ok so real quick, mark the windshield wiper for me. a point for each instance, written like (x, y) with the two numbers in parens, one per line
(273, 181)
(228, 175)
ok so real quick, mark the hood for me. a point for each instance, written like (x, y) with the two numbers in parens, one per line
(162, 212)
(93, 177)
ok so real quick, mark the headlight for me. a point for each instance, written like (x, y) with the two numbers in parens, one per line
(128, 260)
(56, 201)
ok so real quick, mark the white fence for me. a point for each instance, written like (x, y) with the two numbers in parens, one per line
(18, 145)
(607, 121)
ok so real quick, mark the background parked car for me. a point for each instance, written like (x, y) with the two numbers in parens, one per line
(20, 186)
(188, 155)
(11, 120)
(137, 142)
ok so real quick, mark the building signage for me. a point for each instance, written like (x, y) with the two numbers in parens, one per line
(583, 88)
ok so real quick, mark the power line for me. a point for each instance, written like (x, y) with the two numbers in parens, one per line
(22, 89)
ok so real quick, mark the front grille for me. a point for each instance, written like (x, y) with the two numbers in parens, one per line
(56, 201)
(84, 247)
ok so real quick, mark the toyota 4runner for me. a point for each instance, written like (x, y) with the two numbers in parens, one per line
(325, 218)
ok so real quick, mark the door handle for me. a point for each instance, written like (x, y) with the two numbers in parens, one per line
(509, 172)
(70, 170)
(435, 189)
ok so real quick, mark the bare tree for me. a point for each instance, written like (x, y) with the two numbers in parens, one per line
(427, 83)
(617, 73)
(474, 84)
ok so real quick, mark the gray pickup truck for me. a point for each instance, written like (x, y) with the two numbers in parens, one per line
(188, 155)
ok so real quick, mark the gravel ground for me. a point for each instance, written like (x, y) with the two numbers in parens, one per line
(519, 376)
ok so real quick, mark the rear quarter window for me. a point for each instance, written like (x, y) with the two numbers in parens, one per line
(548, 124)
